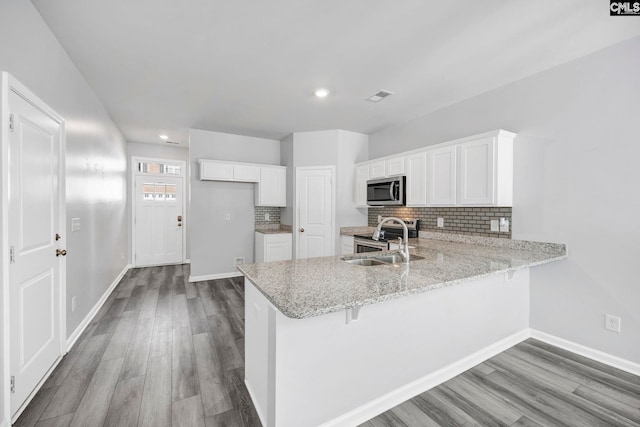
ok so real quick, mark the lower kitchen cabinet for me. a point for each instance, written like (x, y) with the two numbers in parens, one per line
(346, 245)
(272, 247)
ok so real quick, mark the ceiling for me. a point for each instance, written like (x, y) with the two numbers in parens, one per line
(250, 67)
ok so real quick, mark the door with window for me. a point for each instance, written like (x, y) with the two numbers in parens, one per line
(158, 218)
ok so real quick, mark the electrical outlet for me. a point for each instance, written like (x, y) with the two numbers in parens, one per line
(75, 224)
(227, 217)
(495, 225)
(504, 225)
(612, 323)
(238, 261)
(379, 218)
(73, 304)
(267, 217)
(440, 222)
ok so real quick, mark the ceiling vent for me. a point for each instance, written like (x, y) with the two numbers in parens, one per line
(379, 96)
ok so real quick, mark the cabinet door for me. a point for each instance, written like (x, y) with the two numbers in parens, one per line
(417, 179)
(476, 172)
(346, 244)
(272, 188)
(377, 170)
(246, 173)
(277, 247)
(216, 171)
(362, 175)
(394, 166)
(442, 176)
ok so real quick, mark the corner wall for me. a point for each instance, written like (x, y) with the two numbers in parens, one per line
(96, 167)
(576, 181)
(215, 242)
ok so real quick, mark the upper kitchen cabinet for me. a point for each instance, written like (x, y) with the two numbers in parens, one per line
(272, 187)
(394, 166)
(362, 175)
(416, 168)
(485, 170)
(377, 170)
(217, 170)
(441, 179)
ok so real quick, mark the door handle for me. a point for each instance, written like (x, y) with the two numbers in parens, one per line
(61, 252)
(179, 218)
(302, 230)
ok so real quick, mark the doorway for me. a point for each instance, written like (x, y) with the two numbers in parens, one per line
(158, 212)
(315, 205)
(33, 230)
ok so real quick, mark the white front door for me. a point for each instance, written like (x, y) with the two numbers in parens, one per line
(34, 230)
(315, 207)
(159, 220)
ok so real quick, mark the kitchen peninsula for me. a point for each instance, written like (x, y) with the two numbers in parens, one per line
(332, 343)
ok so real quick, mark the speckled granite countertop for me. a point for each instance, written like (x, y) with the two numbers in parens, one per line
(315, 286)
(352, 231)
(273, 230)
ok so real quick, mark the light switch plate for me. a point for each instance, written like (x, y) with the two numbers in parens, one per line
(440, 222)
(504, 225)
(75, 224)
(495, 225)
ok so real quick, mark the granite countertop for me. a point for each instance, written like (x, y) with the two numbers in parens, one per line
(352, 231)
(315, 286)
(276, 230)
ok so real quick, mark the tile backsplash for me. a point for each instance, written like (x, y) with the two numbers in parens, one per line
(457, 220)
(274, 217)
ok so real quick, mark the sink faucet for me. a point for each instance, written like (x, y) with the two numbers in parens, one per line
(404, 249)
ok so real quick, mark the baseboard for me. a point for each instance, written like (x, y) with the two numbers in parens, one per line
(262, 418)
(89, 317)
(214, 276)
(4, 423)
(369, 410)
(597, 355)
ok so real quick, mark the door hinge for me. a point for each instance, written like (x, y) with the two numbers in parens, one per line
(11, 124)
(13, 384)
(12, 255)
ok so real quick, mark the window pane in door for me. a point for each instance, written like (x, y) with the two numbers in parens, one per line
(160, 190)
(170, 193)
(148, 191)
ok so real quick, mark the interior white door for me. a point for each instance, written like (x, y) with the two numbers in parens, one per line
(34, 269)
(158, 220)
(315, 207)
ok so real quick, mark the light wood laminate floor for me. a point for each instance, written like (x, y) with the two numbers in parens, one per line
(166, 352)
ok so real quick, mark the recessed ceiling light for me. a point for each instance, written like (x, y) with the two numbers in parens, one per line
(321, 93)
(164, 137)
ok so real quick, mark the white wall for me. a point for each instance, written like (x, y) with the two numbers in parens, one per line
(215, 242)
(576, 181)
(95, 157)
(158, 151)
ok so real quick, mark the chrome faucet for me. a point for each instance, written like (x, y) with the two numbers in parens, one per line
(404, 249)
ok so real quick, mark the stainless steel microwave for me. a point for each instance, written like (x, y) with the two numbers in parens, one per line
(390, 191)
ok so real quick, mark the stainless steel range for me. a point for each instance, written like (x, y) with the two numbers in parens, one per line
(388, 235)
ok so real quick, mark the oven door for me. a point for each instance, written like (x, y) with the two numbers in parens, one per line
(363, 246)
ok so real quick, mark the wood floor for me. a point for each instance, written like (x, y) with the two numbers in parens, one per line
(166, 352)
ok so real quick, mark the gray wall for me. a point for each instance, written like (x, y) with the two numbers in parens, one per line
(158, 151)
(215, 242)
(338, 148)
(576, 181)
(95, 157)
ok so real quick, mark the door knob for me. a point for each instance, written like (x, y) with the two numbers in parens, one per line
(179, 217)
(61, 252)
(302, 230)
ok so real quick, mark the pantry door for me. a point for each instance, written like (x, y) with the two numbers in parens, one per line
(316, 211)
(36, 242)
(159, 221)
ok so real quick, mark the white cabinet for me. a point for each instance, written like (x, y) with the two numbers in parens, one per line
(272, 247)
(360, 192)
(394, 166)
(377, 169)
(485, 171)
(272, 186)
(346, 245)
(214, 170)
(416, 165)
(442, 176)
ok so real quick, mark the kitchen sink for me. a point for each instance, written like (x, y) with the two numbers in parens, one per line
(388, 259)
